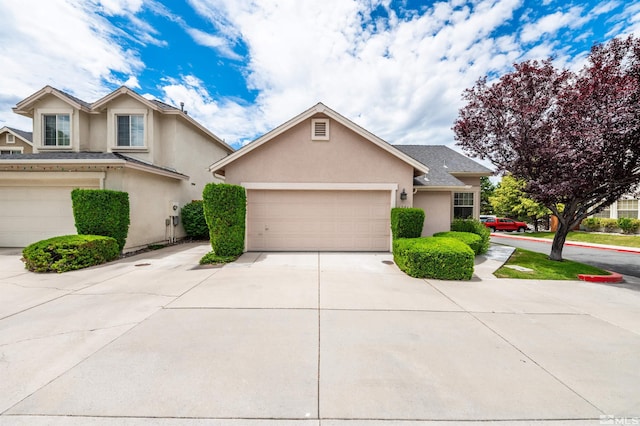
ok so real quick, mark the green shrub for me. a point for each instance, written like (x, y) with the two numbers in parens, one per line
(406, 222)
(69, 252)
(628, 225)
(195, 225)
(475, 227)
(225, 208)
(439, 258)
(474, 241)
(211, 259)
(609, 225)
(101, 212)
(591, 224)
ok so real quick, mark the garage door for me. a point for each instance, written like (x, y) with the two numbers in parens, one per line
(32, 213)
(318, 220)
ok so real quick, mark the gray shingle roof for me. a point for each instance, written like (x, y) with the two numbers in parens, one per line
(87, 156)
(443, 163)
(24, 135)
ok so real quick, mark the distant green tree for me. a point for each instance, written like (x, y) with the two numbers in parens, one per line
(487, 189)
(509, 199)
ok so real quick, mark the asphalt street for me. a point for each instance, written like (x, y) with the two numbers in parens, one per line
(627, 264)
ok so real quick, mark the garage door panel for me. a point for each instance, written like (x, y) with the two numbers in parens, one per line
(34, 213)
(318, 220)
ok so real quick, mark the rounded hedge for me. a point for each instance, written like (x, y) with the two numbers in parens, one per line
(69, 252)
(432, 257)
(472, 240)
(225, 209)
(406, 222)
(476, 227)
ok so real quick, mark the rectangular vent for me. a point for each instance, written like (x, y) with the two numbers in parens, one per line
(320, 129)
(11, 138)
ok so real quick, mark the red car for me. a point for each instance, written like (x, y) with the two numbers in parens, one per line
(504, 224)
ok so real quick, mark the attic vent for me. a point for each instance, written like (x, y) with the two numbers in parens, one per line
(320, 129)
(11, 138)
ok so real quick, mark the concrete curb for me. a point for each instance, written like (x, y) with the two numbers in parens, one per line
(613, 278)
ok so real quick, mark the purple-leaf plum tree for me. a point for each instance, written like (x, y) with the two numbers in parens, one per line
(574, 137)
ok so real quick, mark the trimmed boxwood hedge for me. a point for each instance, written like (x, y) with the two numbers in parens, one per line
(472, 240)
(439, 258)
(406, 222)
(69, 252)
(195, 225)
(225, 208)
(476, 227)
(101, 212)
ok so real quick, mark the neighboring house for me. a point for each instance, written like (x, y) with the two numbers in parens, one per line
(625, 207)
(153, 151)
(321, 182)
(14, 141)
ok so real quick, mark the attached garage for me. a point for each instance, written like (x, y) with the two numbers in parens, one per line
(39, 208)
(322, 220)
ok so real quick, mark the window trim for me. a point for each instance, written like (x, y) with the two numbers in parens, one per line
(112, 131)
(10, 138)
(472, 205)
(314, 134)
(43, 113)
(15, 149)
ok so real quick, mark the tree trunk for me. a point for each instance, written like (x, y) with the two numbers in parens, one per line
(559, 239)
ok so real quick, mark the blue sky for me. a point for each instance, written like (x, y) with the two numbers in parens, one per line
(242, 67)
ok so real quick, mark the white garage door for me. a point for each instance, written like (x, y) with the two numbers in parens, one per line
(318, 220)
(34, 213)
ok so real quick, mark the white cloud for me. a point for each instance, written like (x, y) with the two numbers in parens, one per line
(550, 24)
(215, 42)
(64, 44)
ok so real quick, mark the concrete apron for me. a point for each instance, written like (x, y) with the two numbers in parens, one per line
(310, 338)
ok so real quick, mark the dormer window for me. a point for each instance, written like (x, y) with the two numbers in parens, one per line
(57, 129)
(130, 130)
(320, 129)
(11, 138)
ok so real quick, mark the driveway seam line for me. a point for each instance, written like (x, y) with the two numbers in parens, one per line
(507, 341)
(319, 343)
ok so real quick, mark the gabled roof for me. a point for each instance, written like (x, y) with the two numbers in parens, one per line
(444, 165)
(69, 160)
(23, 135)
(25, 107)
(319, 108)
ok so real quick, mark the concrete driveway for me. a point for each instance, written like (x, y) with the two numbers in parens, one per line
(309, 339)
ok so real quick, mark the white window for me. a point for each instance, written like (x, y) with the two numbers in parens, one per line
(604, 213)
(130, 130)
(57, 129)
(10, 151)
(11, 138)
(462, 205)
(320, 129)
(628, 208)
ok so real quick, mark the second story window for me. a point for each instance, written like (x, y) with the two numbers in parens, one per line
(57, 130)
(130, 130)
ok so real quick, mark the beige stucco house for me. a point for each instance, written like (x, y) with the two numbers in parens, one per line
(15, 141)
(154, 151)
(321, 182)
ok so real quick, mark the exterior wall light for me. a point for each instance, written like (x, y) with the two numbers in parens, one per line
(403, 195)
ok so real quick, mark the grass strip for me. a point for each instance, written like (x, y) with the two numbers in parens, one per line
(594, 237)
(543, 268)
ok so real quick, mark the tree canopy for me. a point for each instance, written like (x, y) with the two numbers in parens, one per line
(510, 199)
(574, 137)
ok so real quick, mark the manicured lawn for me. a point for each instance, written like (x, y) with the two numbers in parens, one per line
(593, 237)
(543, 268)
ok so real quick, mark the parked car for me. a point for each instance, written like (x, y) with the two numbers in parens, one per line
(505, 224)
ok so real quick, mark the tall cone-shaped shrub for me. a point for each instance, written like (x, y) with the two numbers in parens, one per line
(225, 209)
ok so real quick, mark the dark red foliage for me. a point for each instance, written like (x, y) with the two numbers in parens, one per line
(574, 137)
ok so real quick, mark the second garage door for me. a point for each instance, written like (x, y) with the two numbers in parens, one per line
(290, 220)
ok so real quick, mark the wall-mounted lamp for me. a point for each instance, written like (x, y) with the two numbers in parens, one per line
(403, 195)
